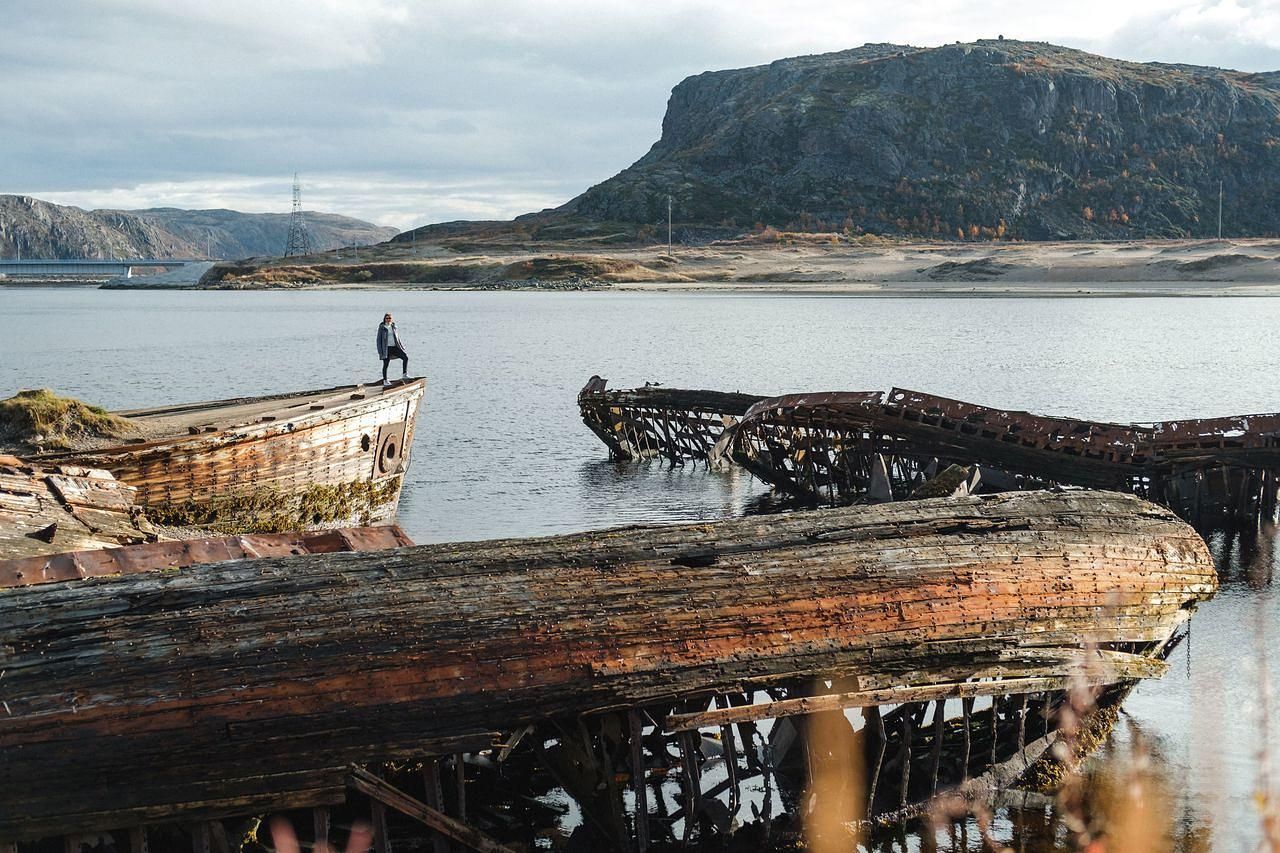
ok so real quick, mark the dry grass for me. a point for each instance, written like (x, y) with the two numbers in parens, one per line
(42, 419)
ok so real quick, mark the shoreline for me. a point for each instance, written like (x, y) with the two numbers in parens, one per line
(803, 264)
(847, 290)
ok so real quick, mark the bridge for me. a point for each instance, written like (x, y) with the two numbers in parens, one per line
(84, 267)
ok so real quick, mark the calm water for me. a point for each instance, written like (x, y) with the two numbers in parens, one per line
(500, 450)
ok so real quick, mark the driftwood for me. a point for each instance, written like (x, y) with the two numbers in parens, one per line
(253, 685)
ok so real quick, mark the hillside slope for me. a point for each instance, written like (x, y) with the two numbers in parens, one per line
(40, 229)
(995, 138)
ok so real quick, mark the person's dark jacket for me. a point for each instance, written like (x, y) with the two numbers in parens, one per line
(387, 341)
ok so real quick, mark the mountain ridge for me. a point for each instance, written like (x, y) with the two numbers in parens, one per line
(43, 229)
(986, 139)
(994, 139)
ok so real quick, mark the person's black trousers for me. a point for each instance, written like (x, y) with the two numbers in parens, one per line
(395, 352)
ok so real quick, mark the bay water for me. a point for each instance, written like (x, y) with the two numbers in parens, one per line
(500, 450)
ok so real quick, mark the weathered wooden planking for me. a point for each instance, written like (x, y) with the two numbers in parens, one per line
(46, 511)
(196, 694)
(278, 452)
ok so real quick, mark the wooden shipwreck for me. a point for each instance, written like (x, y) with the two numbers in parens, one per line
(264, 684)
(330, 457)
(843, 447)
(48, 510)
(671, 423)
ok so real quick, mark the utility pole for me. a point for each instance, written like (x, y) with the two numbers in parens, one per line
(1219, 208)
(668, 222)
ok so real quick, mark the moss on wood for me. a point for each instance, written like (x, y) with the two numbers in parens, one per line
(1048, 773)
(269, 510)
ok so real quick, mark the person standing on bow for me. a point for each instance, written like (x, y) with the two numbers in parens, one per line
(389, 347)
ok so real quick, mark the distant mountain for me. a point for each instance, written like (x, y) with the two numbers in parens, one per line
(994, 138)
(45, 230)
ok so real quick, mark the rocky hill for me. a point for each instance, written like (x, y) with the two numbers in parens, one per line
(40, 229)
(992, 139)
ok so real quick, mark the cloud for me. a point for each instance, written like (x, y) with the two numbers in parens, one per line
(393, 200)
(403, 112)
(1230, 34)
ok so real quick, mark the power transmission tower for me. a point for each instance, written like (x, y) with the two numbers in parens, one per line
(299, 238)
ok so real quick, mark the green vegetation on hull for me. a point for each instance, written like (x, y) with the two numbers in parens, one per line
(268, 510)
(1049, 772)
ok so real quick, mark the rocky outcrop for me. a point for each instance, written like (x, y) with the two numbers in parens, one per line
(992, 139)
(39, 229)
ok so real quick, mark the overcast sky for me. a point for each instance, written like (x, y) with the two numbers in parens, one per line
(411, 112)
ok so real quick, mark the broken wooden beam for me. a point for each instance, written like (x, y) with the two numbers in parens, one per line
(894, 695)
(51, 509)
(388, 795)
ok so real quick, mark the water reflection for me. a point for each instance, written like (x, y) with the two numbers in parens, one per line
(1246, 555)
(673, 493)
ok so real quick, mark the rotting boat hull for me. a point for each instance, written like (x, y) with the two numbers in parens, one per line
(59, 508)
(326, 458)
(256, 684)
(654, 421)
(839, 447)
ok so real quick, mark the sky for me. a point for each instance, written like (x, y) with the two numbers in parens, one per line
(405, 112)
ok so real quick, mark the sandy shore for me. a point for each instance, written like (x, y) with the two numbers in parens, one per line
(1164, 268)
(801, 264)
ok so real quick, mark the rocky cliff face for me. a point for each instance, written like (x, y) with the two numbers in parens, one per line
(996, 138)
(39, 229)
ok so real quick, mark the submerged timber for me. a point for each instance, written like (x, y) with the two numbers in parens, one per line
(843, 447)
(258, 684)
(330, 457)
